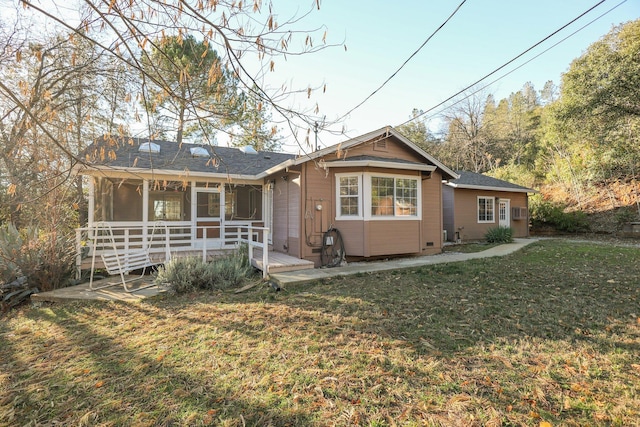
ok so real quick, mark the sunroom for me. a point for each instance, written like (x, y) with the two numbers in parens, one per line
(172, 200)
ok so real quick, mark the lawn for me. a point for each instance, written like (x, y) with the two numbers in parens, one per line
(549, 335)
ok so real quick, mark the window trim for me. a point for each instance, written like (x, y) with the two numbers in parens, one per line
(365, 196)
(493, 210)
(395, 217)
(339, 215)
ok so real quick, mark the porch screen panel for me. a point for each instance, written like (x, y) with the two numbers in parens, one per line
(165, 206)
(103, 199)
(208, 205)
(127, 200)
(243, 202)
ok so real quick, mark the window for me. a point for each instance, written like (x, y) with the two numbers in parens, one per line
(165, 207)
(349, 196)
(394, 196)
(380, 197)
(486, 207)
(406, 197)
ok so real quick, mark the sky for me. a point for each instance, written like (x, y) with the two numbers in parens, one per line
(381, 35)
(482, 36)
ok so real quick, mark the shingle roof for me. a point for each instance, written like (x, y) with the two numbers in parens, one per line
(123, 153)
(477, 180)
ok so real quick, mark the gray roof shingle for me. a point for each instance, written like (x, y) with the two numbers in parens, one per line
(472, 179)
(123, 153)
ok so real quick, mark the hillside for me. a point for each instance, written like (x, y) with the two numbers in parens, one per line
(607, 205)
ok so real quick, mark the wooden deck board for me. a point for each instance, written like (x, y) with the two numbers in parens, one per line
(279, 262)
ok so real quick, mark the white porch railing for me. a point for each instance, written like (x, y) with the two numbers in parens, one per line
(173, 237)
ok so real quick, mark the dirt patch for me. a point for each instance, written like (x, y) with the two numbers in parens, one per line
(607, 205)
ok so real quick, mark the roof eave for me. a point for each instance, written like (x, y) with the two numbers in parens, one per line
(379, 164)
(490, 188)
(146, 172)
(276, 168)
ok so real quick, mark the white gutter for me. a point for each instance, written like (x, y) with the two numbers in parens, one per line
(171, 173)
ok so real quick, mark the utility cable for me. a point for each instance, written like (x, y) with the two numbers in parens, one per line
(404, 63)
(507, 63)
(518, 67)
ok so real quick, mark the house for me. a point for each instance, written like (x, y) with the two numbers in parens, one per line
(473, 203)
(379, 190)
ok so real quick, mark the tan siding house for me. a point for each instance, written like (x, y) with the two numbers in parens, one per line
(377, 195)
(474, 203)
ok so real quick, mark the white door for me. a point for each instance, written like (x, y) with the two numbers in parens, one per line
(504, 213)
(209, 205)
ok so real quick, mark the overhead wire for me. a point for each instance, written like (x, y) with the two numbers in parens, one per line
(405, 62)
(513, 70)
(486, 76)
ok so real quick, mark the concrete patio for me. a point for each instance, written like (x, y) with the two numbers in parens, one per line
(112, 293)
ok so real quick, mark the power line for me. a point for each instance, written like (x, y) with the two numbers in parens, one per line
(507, 63)
(404, 63)
(511, 71)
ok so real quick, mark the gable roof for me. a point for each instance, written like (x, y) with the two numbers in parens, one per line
(381, 134)
(478, 181)
(123, 154)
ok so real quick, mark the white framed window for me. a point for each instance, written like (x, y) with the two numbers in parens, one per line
(394, 196)
(348, 196)
(376, 196)
(486, 209)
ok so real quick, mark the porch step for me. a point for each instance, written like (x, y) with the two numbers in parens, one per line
(280, 263)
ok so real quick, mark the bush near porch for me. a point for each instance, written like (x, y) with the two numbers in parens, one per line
(188, 274)
(548, 335)
(32, 260)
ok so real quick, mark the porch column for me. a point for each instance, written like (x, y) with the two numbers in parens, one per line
(222, 213)
(91, 202)
(194, 214)
(145, 211)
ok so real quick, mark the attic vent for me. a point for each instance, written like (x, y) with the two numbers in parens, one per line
(247, 149)
(199, 152)
(149, 147)
(380, 145)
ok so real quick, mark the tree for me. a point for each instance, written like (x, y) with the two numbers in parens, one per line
(36, 100)
(605, 80)
(188, 89)
(467, 141)
(598, 111)
(253, 128)
(418, 132)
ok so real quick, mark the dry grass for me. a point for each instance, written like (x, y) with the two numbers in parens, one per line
(549, 334)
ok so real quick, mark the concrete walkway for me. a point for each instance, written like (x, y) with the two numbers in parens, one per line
(296, 277)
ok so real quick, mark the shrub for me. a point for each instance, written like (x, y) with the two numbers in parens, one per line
(625, 215)
(545, 213)
(499, 235)
(45, 259)
(191, 273)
